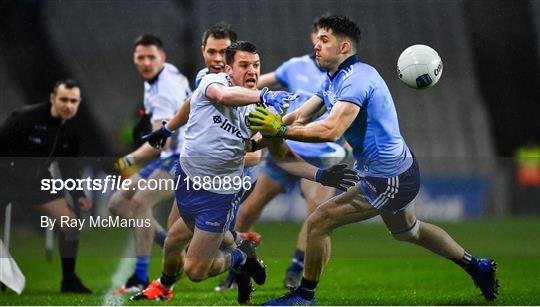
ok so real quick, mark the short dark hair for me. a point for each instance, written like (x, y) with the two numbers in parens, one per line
(238, 46)
(219, 30)
(67, 82)
(148, 40)
(341, 26)
(315, 25)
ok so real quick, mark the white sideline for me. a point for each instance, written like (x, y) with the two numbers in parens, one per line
(119, 277)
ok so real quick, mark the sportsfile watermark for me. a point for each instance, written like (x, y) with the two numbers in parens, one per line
(116, 183)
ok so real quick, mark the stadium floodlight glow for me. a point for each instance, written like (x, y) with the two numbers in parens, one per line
(419, 67)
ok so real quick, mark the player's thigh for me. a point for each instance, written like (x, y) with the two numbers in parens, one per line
(400, 221)
(315, 193)
(179, 235)
(157, 188)
(203, 247)
(346, 208)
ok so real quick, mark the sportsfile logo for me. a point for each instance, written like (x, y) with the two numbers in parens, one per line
(227, 126)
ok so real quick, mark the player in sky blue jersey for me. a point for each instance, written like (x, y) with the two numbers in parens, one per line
(362, 109)
(302, 76)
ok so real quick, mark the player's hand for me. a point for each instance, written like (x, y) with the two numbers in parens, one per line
(158, 137)
(124, 162)
(266, 122)
(337, 176)
(278, 99)
(85, 203)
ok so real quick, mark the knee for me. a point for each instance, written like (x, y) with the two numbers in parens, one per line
(195, 271)
(139, 204)
(116, 204)
(318, 222)
(412, 234)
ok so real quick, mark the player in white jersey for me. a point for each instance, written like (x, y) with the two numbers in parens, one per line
(302, 76)
(165, 90)
(210, 180)
(362, 110)
(213, 44)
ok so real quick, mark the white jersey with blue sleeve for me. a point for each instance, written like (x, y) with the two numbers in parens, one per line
(374, 135)
(251, 171)
(163, 97)
(203, 72)
(215, 137)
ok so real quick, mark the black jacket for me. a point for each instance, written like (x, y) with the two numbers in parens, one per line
(34, 139)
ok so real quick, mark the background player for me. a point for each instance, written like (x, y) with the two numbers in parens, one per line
(362, 109)
(165, 90)
(30, 140)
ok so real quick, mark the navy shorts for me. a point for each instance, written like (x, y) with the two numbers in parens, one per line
(206, 210)
(165, 164)
(392, 194)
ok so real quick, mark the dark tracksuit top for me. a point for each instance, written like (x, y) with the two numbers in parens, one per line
(31, 139)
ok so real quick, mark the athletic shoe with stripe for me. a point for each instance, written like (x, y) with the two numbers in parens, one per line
(154, 292)
(253, 266)
(291, 299)
(484, 278)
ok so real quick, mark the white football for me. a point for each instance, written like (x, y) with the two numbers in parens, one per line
(419, 67)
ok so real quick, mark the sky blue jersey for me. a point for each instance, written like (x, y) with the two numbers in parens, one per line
(378, 146)
(302, 76)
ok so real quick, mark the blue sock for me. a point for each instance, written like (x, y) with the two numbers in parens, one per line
(238, 258)
(159, 238)
(297, 264)
(307, 288)
(141, 268)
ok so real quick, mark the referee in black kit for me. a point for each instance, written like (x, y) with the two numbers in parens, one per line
(31, 139)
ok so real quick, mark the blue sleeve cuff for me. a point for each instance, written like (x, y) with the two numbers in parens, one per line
(318, 175)
(353, 100)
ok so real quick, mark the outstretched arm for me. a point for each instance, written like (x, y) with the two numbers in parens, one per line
(337, 176)
(231, 95)
(310, 110)
(327, 130)
(181, 117)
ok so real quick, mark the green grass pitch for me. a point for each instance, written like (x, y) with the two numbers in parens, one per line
(367, 267)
